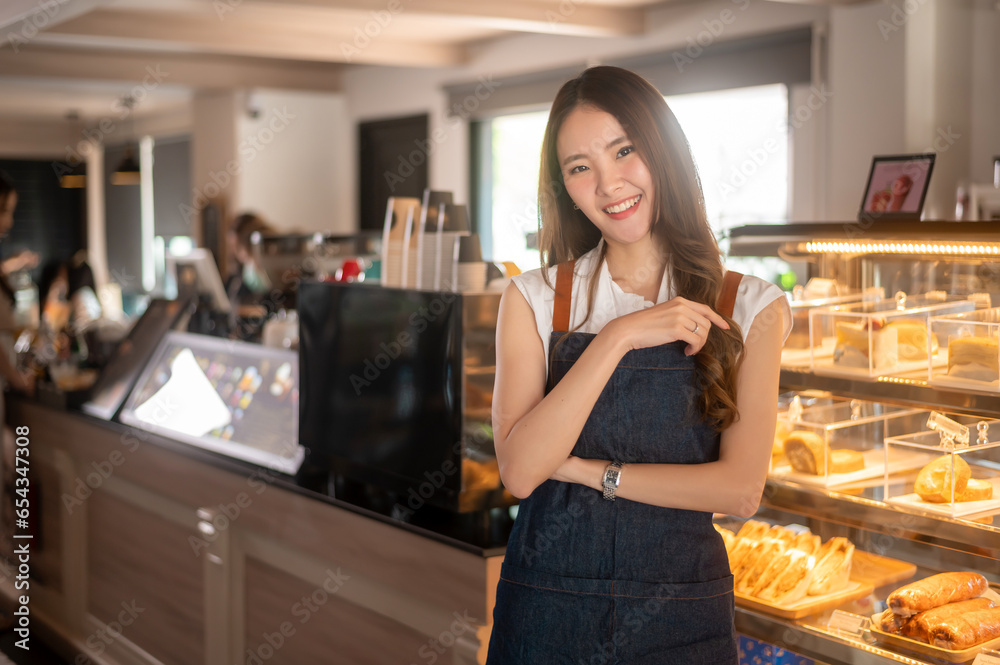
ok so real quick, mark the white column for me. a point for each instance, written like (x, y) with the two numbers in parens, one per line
(97, 242)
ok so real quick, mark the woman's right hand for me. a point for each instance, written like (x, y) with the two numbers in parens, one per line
(670, 321)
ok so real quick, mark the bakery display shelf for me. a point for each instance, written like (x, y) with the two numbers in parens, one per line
(866, 511)
(910, 390)
(812, 639)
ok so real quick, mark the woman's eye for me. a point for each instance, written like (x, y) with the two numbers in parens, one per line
(626, 150)
(578, 169)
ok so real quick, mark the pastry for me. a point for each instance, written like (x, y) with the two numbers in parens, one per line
(934, 591)
(912, 340)
(774, 543)
(846, 461)
(974, 358)
(852, 348)
(976, 490)
(921, 626)
(781, 430)
(967, 630)
(786, 580)
(806, 452)
(728, 537)
(833, 567)
(747, 538)
(890, 622)
(934, 482)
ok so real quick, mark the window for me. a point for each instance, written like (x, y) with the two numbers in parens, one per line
(740, 144)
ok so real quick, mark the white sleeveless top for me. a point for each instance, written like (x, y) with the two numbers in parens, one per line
(610, 302)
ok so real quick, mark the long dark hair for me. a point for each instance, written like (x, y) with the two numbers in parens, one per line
(680, 225)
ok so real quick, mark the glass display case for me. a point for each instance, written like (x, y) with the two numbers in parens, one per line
(897, 540)
(972, 350)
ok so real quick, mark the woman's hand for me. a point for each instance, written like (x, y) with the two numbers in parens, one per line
(676, 319)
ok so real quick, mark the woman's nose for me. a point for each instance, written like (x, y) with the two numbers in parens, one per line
(609, 180)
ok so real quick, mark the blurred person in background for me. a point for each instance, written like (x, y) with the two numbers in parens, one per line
(10, 375)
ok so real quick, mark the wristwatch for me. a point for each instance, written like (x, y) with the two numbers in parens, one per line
(612, 479)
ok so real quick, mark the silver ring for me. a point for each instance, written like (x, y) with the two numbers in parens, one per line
(696, 326)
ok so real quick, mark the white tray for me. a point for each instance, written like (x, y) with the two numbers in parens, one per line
(874, 469)
(961, 509)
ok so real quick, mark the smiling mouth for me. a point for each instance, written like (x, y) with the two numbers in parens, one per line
(623, 206)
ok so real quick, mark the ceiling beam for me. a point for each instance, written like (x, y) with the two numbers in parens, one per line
(564, 17)
(243, 34)
(219, 72)
(22, 20)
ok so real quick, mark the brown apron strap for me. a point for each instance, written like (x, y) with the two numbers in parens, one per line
(727, 299)
(564, 294)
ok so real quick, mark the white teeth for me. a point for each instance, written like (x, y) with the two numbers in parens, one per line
(622, 207)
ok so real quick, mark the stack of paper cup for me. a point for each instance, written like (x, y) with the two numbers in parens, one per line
(472, 276)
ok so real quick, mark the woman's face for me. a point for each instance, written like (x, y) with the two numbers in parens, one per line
(7, 205)
(605, 176)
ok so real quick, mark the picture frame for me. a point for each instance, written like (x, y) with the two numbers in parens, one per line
(897, 186)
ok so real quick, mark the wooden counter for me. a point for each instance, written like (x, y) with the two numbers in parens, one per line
(147, 554)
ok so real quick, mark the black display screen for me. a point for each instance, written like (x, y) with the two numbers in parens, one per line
(120, 373)
(381, 385)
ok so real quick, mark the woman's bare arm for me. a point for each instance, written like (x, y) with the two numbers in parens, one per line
(734, 483)
(534, 433)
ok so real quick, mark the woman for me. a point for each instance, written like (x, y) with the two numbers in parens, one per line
(601, 394)
(9, 374)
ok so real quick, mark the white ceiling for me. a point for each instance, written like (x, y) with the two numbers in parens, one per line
(58, 56)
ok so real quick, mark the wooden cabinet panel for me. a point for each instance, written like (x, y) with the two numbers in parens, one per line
(289, 621)
(142, 566)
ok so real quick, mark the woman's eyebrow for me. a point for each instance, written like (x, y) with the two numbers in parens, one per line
(612, 144)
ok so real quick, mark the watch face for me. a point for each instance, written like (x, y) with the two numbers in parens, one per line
(611, 477)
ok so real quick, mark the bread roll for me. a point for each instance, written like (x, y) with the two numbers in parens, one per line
(806, 452)
(846, 461)
(921, 626)
(833, 567)
(934, 482)
(935, 591)
(967, 630)
(976, 490)
(890, 622)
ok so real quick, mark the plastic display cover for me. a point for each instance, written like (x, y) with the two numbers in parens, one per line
(118, 376)
(230, 397)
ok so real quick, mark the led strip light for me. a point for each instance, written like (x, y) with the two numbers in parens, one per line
(888, 247)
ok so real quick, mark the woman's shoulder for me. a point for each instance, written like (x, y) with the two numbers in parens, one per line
(753, 295)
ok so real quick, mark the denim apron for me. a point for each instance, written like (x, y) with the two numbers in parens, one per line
(586, 581)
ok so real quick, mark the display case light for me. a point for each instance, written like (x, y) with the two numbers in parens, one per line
(869, 247)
